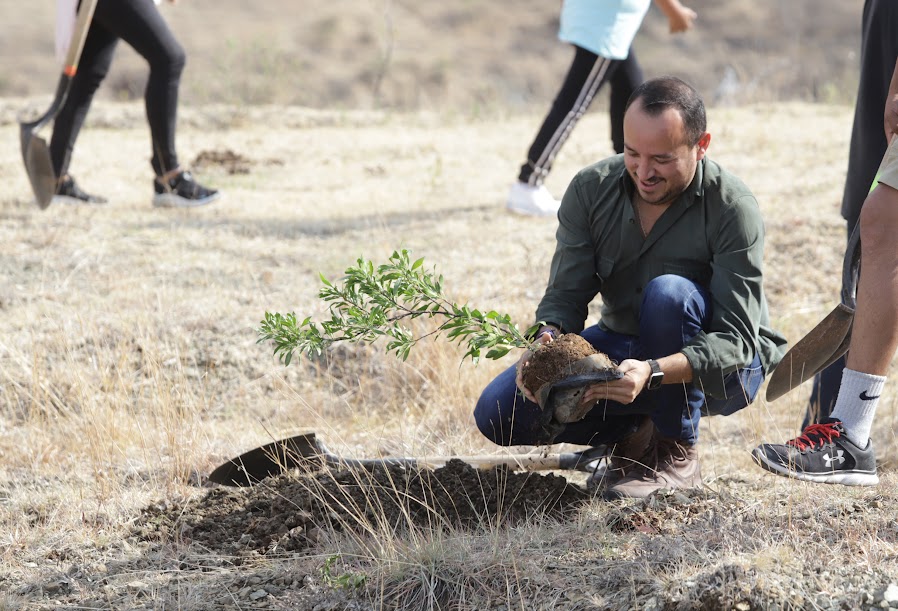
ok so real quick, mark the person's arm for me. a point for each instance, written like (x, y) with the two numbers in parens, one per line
(891, 111)
(679, 17)
(731, 338)
(737, 297)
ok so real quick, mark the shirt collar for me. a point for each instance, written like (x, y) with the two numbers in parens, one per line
(694, 191)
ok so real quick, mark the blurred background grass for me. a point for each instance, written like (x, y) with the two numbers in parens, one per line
(466, 56)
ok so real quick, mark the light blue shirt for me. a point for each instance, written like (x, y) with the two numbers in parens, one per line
(605, 27)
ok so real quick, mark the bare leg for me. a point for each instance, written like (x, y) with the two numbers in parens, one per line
(874, 338)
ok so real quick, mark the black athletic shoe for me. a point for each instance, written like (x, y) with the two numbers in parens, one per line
(182, 191)
(822, 453)
(68, 192)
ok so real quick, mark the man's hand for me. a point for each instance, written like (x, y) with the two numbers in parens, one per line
(545, 338)
(625, 390)
(679, 17)
(890, 116)
(890, 120)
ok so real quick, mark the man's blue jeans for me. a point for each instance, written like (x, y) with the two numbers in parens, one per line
(674, 310)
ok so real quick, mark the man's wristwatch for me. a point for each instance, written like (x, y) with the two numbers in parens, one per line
(657, 377)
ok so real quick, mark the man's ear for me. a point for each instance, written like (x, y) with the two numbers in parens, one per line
(703, 143)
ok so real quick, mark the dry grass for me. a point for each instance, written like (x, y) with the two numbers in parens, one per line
(129, 368)
(460, 56)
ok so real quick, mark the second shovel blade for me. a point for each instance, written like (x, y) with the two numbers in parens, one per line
(39, 168)
(820, 347)
(271, 459)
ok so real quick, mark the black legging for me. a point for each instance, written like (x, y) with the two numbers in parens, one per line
(587, 74)
(139, 24)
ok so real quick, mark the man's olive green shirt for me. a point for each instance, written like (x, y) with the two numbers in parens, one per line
(712, 234)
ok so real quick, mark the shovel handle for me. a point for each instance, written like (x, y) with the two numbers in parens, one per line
(851, 268)
(79, 35)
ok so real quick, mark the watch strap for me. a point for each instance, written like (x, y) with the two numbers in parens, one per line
(656, 377)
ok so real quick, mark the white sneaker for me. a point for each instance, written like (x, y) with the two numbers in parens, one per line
(532, 201)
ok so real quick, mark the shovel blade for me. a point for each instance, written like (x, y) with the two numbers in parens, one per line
(301, 451)
(38, 166)
(814, 352)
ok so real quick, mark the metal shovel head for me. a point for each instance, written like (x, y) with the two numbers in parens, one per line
(38, 166)
(814, 352)
(561, 399)
(271, 459)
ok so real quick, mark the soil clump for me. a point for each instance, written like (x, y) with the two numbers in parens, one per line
(552, 361)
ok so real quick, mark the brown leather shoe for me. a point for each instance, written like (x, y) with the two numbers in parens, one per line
(628, 454)
(674, 464)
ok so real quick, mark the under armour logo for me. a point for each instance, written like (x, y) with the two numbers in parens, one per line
(838, 457)
(865, 397)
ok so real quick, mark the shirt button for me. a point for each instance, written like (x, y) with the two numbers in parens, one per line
(638, 289)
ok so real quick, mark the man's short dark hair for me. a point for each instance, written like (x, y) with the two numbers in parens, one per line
(659, 94)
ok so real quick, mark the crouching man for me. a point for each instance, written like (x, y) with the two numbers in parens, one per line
(674, 245)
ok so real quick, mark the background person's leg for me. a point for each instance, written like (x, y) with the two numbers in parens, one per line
(96, 58)
(879, 51)
(824, 391)
(587, 74)
(139, 23)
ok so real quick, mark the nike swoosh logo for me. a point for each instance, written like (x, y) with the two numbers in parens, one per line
(865, 397)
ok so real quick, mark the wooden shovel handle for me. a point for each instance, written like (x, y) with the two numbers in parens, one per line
(79, 35)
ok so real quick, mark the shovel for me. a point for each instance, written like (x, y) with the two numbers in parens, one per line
(35, 152)
(307, 452)
(829, 340)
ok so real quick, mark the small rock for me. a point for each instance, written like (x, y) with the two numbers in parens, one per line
(258, 594)
(53, 587)
(137, 585)
(890, 595)
(743, 606)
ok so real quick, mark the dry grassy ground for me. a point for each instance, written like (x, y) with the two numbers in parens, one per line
(129, 369)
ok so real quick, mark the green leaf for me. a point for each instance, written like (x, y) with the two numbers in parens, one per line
(372, 302)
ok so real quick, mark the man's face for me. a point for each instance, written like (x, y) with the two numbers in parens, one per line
(658, 156)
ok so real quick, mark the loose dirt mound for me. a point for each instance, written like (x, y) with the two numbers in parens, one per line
(232, 162)
(285, 514)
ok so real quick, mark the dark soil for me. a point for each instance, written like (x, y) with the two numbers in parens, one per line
(551, 362)
(287, 513)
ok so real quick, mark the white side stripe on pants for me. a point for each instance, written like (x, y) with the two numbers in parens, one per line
(587, 93)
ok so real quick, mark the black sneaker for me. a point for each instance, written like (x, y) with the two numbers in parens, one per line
(822, 453)
(68, 192)
(182, 192)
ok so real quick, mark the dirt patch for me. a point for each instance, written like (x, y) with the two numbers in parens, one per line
(287, 513)
(226, 159)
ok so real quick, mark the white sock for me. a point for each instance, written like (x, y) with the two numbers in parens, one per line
(856, 404)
